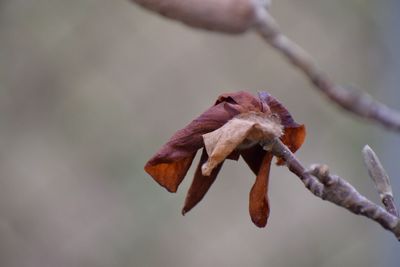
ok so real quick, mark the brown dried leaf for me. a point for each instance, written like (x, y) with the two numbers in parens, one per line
(246, 101)
(234, 126)
(293, 138)
(170, 175)
(200, 184)
(259, 204)
(240, 132)
(294, 134)
(277, 108)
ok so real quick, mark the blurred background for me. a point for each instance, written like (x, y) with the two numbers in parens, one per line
(89, 90)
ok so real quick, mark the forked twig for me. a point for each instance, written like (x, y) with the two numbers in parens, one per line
(335, 189)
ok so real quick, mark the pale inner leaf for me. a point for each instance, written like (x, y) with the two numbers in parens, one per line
(250, 128)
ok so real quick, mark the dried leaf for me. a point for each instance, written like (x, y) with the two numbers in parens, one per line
(293, 134)
(293, 138)
(171, 163)
(245, 130)
(200, 184)
(259, 204)
(237, 125)
(253, 156)
(277, 108)
(170, 175)
(246, 101)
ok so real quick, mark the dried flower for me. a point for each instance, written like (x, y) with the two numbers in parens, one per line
(238, 124)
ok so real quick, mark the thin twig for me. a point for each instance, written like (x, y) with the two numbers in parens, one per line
(335, 189)
(237, 16)
(354, 101)
(380, 178)
(227, 16)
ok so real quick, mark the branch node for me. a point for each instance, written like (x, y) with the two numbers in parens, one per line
(321, 171)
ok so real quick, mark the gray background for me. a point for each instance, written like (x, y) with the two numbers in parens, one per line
(89, 90)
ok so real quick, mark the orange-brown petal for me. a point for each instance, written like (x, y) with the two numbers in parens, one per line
(200, 184)
(259, 203)
(170, 175)
(293, 138)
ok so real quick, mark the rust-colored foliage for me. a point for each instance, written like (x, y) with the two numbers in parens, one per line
(171, 163)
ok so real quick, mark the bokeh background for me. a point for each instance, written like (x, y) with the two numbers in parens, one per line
(90, 89)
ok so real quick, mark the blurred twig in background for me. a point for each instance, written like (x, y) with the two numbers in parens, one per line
(355, 101)
(237, 16)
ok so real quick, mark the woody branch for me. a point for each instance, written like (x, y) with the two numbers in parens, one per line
(335, 189)
(238, 16)
(355, 101)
